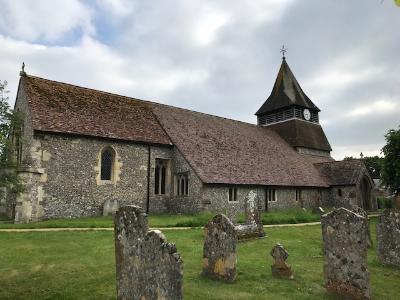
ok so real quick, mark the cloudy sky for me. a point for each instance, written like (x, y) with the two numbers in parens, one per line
(219, 57)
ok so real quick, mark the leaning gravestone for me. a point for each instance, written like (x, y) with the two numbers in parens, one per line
(345, 252)
(110, 207)
(280, 268)
(148, 267)
(388, 237)
(254, 226)
(358, 210)
(219, 252)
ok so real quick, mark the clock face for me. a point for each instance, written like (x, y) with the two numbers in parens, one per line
(307, 114)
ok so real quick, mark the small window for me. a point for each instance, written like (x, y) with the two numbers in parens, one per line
(339, 192)
(298, 194)
(271, 195)
(160, 176)
(181, 184)
(232, 194)
(107, 164)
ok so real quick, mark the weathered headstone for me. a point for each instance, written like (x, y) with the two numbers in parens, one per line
(280, 268)
(219, 252)
(358, 210)
(148, 267)
(345, 253)
(254, 226)
(388, 237)
(110, 207)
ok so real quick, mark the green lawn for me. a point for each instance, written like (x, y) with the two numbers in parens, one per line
(80, 265)
(291, 216)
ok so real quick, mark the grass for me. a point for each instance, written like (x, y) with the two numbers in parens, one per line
(291, 216)
(80, 265)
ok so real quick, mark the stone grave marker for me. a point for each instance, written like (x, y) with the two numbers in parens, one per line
(388, 237)
(219, 252)
(280, 268)
(110, 207)
(345, 254)
(254, 226)
(147, 266)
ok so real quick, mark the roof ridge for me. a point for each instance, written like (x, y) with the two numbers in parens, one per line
(150, 102)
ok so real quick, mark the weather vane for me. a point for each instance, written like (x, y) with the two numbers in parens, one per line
(22, 72)
(283, 51)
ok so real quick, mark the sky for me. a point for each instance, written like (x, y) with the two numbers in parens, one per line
(219, 57)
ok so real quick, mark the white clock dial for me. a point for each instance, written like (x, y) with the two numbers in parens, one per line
(307, 114)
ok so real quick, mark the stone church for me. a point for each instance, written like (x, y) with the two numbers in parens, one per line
(86, 151)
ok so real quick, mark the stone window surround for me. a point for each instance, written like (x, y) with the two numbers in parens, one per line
(298, 195)
(113, 165)
(272, 195)
(178, 181)
(232, 193)
(162, 186)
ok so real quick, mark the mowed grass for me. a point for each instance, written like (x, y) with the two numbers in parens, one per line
(291, 216)
(81, 265)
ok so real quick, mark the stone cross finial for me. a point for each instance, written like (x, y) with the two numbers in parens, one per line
(22, 72)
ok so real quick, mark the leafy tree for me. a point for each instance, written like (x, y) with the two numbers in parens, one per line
(372, 163)
(10, 124)
(391, 161)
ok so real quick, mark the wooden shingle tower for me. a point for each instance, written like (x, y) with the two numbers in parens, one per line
(290, 112)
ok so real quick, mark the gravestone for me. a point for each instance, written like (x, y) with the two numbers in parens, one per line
(388, 237)
(358, 210)
(147, 266)
(280, 268)
(219, 252)
(345, 254)
(110, 207)
(254, 226)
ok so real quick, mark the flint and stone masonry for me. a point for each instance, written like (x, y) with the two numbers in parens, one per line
(219, 252)
(147, 266)
(388, 237)
(345, 252)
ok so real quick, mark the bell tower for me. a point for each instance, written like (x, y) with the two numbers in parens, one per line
(293, 115)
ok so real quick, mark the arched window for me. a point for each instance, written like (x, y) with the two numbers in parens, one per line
(107, 162)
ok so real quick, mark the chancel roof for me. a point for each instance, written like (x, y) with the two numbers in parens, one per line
(219, 150)
(343, 172)
(286, 92)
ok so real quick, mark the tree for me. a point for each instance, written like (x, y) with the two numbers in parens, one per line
(391, 161)
(10, 125)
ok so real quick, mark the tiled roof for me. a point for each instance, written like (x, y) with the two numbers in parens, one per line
(64, 108)
(226, 151)
(343, 172)
(299, 133)
(286, 92)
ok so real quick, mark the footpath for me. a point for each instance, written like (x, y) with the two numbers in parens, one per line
(159, 228)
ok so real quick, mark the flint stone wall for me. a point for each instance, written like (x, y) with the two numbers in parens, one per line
(219, 252)
(388, 237)
(345, 253)
(147, 266)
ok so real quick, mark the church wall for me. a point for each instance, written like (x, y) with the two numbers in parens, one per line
(215, 199)
(344, 196)
(26, 206)
(71, 183)
(192, 202)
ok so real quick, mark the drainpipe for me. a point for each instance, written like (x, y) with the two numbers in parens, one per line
(148, 179)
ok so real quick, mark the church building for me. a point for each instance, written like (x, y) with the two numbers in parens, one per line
(84, 152)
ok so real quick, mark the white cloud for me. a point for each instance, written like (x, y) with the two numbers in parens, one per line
(379, 107)
(206, 29)
(43, 19)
